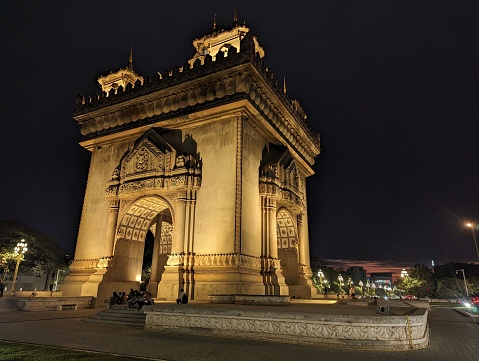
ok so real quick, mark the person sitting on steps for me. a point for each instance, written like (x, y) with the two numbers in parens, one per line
(182, 298)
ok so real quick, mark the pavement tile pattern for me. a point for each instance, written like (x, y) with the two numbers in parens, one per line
(454, 336)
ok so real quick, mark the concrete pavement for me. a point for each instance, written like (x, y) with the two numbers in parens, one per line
(454, 336)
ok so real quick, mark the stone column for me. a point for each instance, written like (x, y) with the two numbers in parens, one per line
(178, 241)
(156, 249)
(303, 247)
(189, 241)
(111, 227)
(264, 227)
(299, 222)
(273, 236)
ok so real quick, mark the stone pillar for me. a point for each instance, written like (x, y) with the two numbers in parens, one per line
(177, 244)
(299, 222)
(156, 249)
(264, 227)
(189, 242)
(111, 227)
(303, 240)
(173, 278)
(273, 236)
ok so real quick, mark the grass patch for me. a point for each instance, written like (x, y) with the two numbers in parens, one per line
(13, 351)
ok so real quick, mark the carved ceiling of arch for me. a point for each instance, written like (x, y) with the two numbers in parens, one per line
(286, 230)
(166, 235)
(138, 218)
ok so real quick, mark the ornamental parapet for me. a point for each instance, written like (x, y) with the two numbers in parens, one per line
(194, 86)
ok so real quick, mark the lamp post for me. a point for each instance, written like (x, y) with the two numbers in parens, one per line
(404, 274)
(471, 226)
(320, 275)
(464, 277)
(361, 285)
(19, 251)
(340, 279)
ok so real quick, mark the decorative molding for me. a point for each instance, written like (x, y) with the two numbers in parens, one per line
(93, 263)
(197, 89)
(350, 331)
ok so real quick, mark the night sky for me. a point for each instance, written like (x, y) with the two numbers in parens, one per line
(392, 86)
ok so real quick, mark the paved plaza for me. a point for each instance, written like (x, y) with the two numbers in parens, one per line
(454, 336)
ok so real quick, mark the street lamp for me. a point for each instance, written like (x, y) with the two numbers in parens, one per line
(18, 251)
(471, 226)
(404, 273)
(464, 277)
(320, 275)
(361, 285)
(340, 279)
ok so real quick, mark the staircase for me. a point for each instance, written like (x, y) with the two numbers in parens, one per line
(118, 316)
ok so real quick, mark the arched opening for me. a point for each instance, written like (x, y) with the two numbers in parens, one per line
(151, 217)
(287, 238)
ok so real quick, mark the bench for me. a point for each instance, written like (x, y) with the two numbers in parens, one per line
(61, 306)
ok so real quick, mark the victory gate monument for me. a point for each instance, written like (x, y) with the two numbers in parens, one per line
(211, 158)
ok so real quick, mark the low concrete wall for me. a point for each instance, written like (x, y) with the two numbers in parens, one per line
(37, 294)
(250, 299)
(346, 331)
(51, 303)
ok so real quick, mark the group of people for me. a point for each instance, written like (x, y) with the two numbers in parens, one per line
(135, 299)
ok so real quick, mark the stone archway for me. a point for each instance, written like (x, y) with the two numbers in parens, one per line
(132, 229)
(287, 240)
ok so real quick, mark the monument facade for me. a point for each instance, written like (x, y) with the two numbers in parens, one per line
(212, 159)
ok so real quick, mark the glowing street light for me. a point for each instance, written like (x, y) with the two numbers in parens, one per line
(361, 285)
(18, 251)
(340, 279)
(471, 226)
(404, 273)
(320, 275)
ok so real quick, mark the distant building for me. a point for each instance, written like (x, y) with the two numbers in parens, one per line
(382, 279)
(357, 274)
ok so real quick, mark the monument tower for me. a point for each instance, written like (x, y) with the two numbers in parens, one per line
(211, 158)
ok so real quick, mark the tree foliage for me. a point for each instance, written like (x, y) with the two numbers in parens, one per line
(43, 256)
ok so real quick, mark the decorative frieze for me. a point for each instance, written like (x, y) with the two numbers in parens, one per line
(351, 331)
(223, 260)
(84, 264)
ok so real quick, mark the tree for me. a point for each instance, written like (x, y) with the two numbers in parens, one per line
(44, 254)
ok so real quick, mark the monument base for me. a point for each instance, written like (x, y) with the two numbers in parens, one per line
(378, 332)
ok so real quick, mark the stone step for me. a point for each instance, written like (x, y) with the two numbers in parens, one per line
(124, 317)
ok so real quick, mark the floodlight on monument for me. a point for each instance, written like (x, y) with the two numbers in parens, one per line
(18, 251)
(471, 226)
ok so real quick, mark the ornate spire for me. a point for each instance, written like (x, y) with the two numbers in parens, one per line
(214, 22)
(284, 85)
(130, 60)
(235, 17)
